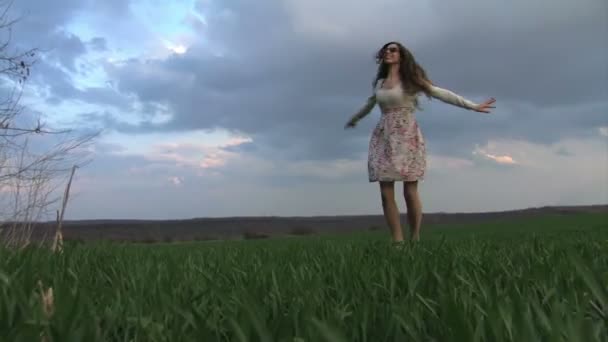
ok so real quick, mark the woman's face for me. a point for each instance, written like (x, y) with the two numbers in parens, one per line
(391, 54)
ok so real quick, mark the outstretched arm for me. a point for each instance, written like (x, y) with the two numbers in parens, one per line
(452, 98)
(366, 109)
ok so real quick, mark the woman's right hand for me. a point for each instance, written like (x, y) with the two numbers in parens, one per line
(350, 124)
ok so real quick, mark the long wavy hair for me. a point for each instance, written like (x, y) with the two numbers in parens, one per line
(413, 77)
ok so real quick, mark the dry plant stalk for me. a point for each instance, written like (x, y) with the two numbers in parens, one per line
(47, 303)
(58, 240)
(47, 300)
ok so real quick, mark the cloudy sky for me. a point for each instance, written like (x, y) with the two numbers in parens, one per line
(235, 107)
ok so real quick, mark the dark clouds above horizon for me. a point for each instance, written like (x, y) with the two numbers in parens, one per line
(289, 73)
(288, 85)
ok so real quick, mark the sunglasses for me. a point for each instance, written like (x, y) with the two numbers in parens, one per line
(391, 49)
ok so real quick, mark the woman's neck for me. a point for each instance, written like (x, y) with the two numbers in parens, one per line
(393, 72)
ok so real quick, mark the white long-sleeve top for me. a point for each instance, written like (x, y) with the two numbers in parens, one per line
(395, 97)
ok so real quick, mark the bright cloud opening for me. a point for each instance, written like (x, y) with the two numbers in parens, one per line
(177, 48)
(175, 180)
(500, 159)
(196, 150)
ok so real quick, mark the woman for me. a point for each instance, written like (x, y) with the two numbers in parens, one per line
(397, 149)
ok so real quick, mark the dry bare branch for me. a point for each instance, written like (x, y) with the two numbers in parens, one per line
(35, 160)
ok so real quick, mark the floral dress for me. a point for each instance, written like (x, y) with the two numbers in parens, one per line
(397, 150)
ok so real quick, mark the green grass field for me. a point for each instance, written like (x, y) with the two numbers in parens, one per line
(542, 279)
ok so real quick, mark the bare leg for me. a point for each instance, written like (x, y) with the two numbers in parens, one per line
(391, 211)
(414, 208)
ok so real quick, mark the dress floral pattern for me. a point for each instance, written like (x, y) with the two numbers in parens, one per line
(397, 150)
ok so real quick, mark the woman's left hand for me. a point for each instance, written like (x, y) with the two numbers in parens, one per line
(485, 106)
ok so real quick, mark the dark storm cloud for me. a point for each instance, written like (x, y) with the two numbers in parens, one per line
(544, 52)
(293, 90)
(546, 65)
(41, 17)
(64, 48)
(41, 25)
(57, 86)
(98, 44)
